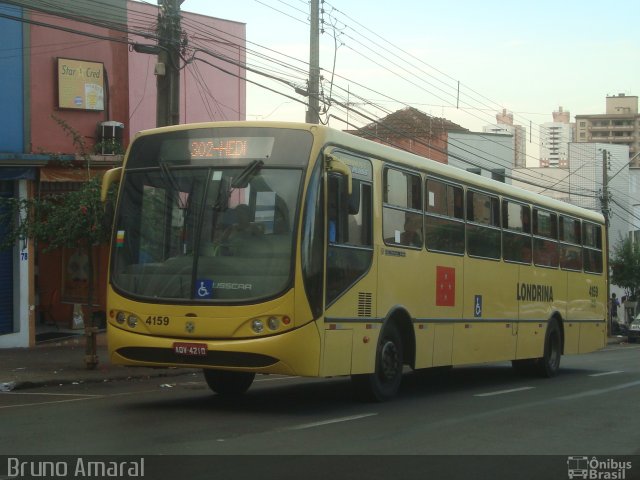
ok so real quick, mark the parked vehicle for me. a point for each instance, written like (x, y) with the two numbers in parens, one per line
(634, 330)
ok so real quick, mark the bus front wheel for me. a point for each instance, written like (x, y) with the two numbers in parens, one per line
(383, 384)
(228, 383)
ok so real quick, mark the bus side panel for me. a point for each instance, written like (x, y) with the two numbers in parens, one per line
(336, 358)
(402, 281)
(571, 337)
(443, 344)
(489, 334)
(365, 341)
(540, 293)
(588, 307)
(354, 353)
(530, 339)
(444, 301)
(592, 337)
(425, 334)
(483, 342)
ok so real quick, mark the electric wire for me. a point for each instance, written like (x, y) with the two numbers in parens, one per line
(283, 80)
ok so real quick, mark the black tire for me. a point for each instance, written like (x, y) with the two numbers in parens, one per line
(228, 383)
(383, 384)
(549, 364)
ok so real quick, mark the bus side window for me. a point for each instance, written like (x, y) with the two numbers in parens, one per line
(545, 238)
(516, 232)
(444, 224)
(402, 208)
(570, 255)
(483, 225)
(337, 204)
(592, 247)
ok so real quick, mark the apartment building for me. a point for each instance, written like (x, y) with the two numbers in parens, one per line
(554, 140)
(620, 125)
(505, 126)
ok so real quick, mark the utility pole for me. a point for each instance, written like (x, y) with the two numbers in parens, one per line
(605, 186)
(168, 66)
(605, 212)
(314, 65)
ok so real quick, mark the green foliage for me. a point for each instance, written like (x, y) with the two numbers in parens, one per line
(73, 219)
(109, 146)
(625, 267)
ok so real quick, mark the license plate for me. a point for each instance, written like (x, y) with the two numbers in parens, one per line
(190, 349)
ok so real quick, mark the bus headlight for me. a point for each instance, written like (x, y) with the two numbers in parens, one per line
(257, 325)
(121, 317)
(132, 321)
(274, 323)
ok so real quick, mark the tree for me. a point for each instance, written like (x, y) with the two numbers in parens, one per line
(625, 267)
(75, 219)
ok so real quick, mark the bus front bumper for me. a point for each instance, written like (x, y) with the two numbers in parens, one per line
(296, 352)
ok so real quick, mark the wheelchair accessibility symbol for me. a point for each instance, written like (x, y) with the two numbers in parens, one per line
(477, 309)
(204, 288)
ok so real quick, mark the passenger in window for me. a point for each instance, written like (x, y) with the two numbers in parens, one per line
(412, 234)
(526, 221)
(458, 203)
(243, 227)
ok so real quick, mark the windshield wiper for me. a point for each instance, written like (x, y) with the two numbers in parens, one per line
(242, 180)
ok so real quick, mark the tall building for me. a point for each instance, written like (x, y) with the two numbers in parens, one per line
(554, 140)
(504, 126)
(620, 125)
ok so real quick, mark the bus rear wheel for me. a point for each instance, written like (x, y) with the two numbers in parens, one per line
(549, 364)
(383, 384)
(228, 383)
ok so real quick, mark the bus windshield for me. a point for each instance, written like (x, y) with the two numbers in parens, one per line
(207, 231)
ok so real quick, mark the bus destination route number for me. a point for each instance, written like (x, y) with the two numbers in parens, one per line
(190, 349)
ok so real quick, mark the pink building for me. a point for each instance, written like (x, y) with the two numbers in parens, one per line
(207, 93)
(76, 75)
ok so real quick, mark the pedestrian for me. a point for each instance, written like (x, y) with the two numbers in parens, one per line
(613, 311)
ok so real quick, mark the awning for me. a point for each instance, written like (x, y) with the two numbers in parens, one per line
(17, 173)
(66, 174)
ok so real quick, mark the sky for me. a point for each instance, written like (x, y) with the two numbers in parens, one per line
(527, 57)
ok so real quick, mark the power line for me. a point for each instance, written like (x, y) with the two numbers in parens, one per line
(256, 71)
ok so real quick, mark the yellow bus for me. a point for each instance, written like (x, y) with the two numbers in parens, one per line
(295, 249)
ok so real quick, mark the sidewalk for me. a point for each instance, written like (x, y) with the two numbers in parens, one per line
(60, 362)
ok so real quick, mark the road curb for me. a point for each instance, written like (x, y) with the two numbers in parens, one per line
(28, 384)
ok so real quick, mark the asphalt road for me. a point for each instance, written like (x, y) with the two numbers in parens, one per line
(589, 409)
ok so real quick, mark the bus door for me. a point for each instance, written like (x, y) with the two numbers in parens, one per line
(350, 281)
